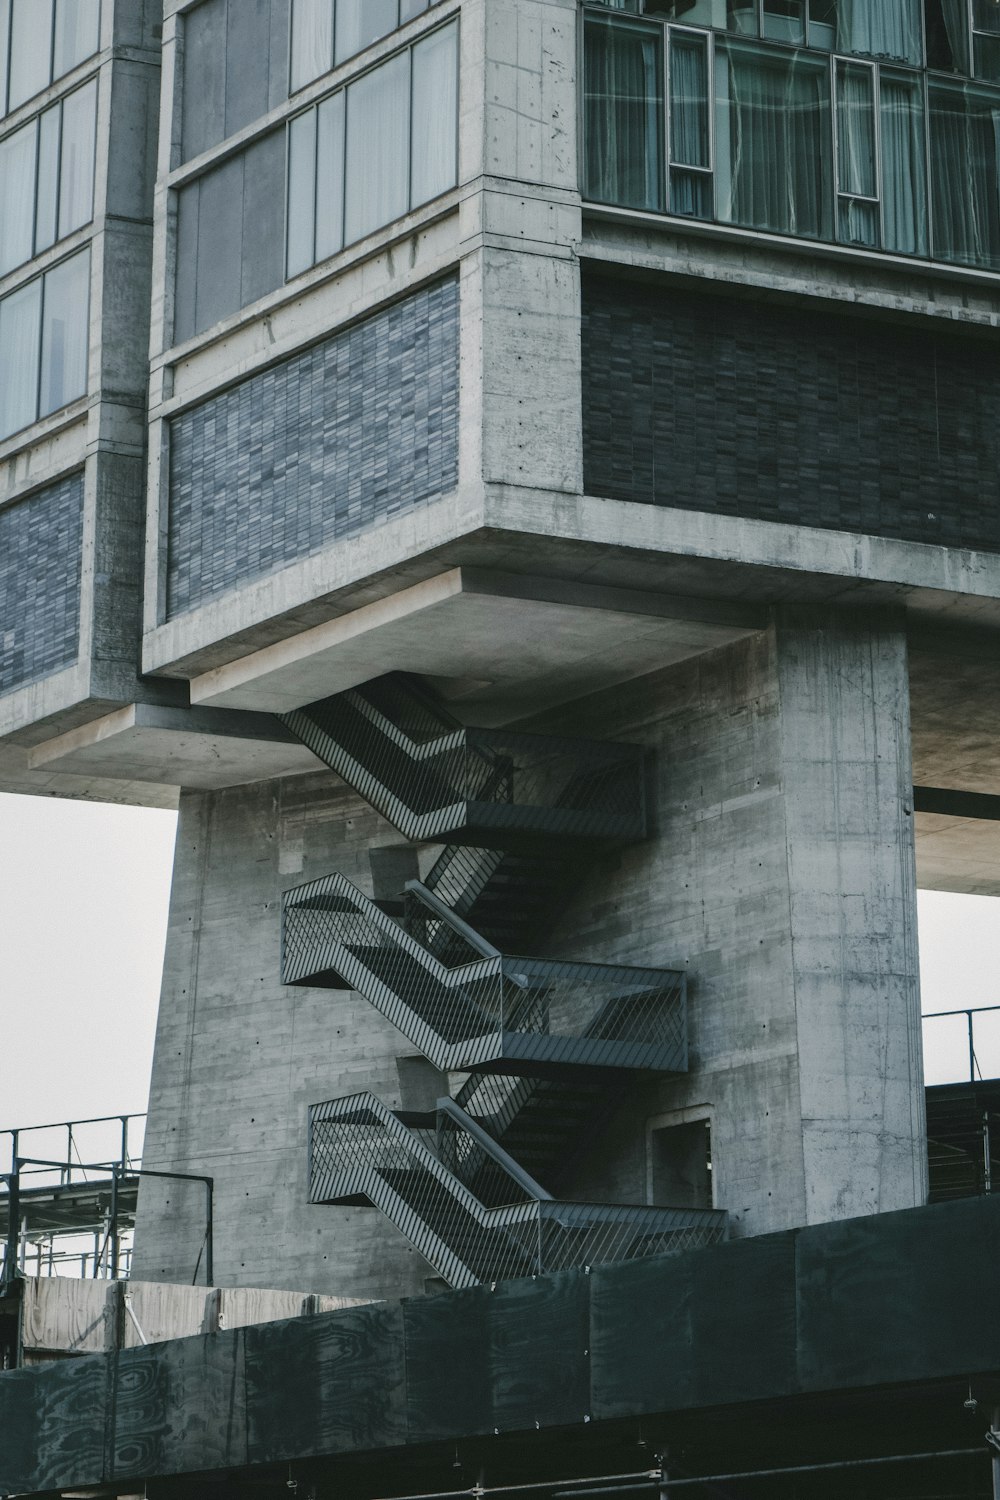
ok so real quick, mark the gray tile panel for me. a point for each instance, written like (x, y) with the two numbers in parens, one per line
(348, 434)
(41, 541)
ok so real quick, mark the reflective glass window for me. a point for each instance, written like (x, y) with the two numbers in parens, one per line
(378, 108)
(361, 22)
(76, 177)
(623, 108)
(77, 33)
(301, 248)
(17, 197)
(964, 130)
(947, 24)
(330, 176)
(47, 206)
(20, 333)
(312, 40)
(904, 174)
(65, 312)
(773, 147)
(4, 52)
(433, 134)
(30, 49)
(885, 28)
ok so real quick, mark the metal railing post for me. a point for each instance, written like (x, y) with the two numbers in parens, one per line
(114, 1224)
(972, 1049)
(13, 1223)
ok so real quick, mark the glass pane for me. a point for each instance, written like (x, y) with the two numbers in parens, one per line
(785, 20)
(17, 197)
(986, 1043)
(410, 8)
(30, 49)
(4, 50)
(330, 177)
(64, 333)
(301, 193)
(691, 193)
(886, 28)
(76, 193)
(823, 24)
(947, 23)
(856, 129)
(904, 187)
(987, 58)
(857, 222)
(986, 16)
(964, 131)
(946, 1049)
(689, 100)
(691, 12)
(623, 106)
(434, 128)
(741, 16)
(773, 153)
(78, 33)
(378, 123)
(361, 22)
(47, 203)
(312, 40)
(19, 336)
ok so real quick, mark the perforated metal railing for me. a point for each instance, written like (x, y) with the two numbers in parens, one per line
(482, 1006)
(359, 1150)
(434, 778)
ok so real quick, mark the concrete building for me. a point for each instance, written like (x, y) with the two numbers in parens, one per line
(527, 483)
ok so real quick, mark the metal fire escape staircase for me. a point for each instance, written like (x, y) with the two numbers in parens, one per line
(549, 1046)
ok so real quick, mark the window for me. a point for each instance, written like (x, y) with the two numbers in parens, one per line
(327, 32)
(623, 108)
(40, 40)
(235, 68)
(773, 156)
(371, 152)
(47, 178)
(44, 344)
(794, 141)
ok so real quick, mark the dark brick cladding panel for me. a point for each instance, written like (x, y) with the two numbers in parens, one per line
(41, 554)
(781, 413)
(348, 434)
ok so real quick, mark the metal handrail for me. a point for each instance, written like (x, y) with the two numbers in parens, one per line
(359, 1149)
(969, 1012)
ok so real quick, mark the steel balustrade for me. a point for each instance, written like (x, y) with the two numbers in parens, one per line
(360, 1152)
(481, 1009)
(550, 1045)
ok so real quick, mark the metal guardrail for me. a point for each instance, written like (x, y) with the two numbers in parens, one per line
(435, 779)
(360, 1151)
(478, 1008)
(973, 1052)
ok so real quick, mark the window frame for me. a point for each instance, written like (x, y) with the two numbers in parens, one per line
(335, 62)
(451, 21)
(6, 71)
(34, 124)
(42, 277)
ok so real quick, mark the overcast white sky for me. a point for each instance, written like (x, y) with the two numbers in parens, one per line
(83, 905)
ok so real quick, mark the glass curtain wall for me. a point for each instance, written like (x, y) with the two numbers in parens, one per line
(371, 152)
(327, 32)
(47, 178)
(40, 41)
(819, 145)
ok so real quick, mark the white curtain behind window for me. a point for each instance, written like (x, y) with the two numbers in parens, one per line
(880, 28)
(76, 196)
(904, 176)
(30, 49)
(78, 26)
(360, 22)
(378, 124)
(17, 197)
(434, 133)
(312, 40)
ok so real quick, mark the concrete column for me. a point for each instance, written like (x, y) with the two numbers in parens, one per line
(845, 767)
(781, 877)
